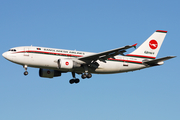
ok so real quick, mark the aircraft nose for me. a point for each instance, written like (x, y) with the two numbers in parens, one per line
(4, 54)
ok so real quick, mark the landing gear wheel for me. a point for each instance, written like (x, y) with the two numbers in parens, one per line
(83, 76)
(26, 73)
(76, 81)
(89, 75)
(71, 81)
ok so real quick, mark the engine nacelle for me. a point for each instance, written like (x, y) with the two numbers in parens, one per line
(67, 64)
(48, 73)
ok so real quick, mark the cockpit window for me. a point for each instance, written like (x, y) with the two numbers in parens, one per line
(12, 50)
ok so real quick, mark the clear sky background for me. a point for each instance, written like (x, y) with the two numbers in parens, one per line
(95, 26)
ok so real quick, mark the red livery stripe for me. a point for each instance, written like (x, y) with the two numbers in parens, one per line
(72, 55)
(49, 53)
(142, 56)
(131, 61)
(161, 31)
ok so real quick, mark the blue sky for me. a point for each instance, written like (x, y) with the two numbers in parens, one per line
(95, 26)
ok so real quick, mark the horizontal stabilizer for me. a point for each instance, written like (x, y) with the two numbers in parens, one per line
(158, 61)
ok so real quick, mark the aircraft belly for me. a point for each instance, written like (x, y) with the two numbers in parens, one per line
(43, 61)
(108, 67)
(117, 67)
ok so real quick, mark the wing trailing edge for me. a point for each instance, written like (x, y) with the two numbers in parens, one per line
(106, 54)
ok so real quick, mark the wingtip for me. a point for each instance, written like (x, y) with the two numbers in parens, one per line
(134, 45)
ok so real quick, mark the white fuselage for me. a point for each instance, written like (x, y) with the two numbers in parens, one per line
(41, 57)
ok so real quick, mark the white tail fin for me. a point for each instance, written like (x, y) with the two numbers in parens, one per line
(150, 48)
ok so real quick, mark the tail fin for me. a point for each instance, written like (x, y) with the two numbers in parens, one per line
(150, 48)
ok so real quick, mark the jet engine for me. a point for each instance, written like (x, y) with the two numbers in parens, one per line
(48, 73)
(67, 64)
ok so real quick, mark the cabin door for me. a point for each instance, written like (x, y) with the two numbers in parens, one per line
(26, 51)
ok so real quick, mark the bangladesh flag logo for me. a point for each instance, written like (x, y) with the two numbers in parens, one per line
(38, 48)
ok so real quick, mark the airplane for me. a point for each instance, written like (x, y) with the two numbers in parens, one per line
(53, 62)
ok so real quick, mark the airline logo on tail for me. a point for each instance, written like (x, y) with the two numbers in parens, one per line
(153, 44)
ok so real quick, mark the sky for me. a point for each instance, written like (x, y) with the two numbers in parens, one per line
(94, 26)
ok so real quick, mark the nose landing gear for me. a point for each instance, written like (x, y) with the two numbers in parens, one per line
(26, 72)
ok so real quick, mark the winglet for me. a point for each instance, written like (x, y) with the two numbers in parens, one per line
(134, 45)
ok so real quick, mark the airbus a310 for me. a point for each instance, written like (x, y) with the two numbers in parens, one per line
(53, 62)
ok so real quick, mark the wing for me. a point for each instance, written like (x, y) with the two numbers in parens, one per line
(157, 61)
(105, 55)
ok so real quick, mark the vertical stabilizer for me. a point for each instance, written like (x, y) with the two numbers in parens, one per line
(150, 48)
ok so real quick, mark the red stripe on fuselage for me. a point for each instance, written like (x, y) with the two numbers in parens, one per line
(53, 53)
(131, 55)
(125, 60)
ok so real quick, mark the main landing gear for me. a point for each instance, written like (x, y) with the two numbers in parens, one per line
(26, 72)
(86, 75)
(74, 80)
